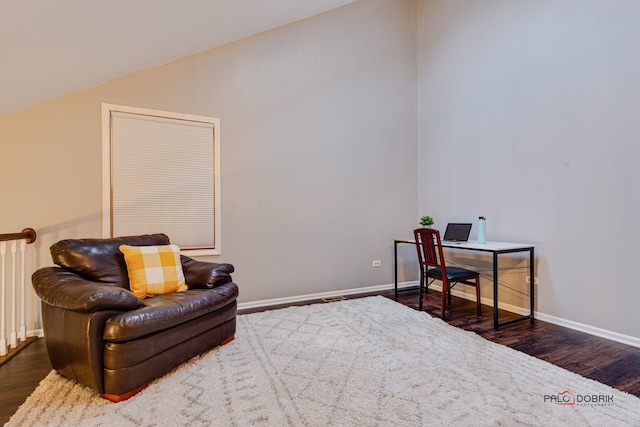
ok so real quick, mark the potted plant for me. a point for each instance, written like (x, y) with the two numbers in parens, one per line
(427, 221)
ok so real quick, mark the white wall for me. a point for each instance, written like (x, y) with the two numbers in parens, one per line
(535, 101)
(528, 116)
(319, 169)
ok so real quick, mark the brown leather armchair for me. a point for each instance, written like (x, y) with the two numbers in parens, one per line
(103, 336)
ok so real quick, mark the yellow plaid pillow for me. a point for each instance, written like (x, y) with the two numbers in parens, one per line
(154, 270)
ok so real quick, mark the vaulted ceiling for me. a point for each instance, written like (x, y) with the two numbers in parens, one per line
(50, 48)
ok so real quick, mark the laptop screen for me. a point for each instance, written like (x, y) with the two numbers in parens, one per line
(457, 232)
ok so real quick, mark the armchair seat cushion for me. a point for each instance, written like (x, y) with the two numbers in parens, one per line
(119, 355)
(162, 312)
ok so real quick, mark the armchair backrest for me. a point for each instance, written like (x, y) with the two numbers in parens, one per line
(100, 260)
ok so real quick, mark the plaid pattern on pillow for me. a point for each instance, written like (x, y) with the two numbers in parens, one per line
(154, 270)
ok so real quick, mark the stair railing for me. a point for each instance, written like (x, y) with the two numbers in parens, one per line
(13, 295)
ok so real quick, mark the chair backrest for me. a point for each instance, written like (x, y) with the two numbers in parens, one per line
(100, 260)
(429, 248)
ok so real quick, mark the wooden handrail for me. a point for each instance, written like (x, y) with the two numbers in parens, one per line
(27, 233)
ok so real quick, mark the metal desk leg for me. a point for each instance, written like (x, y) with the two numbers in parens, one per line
(495, 291)
(530, 316)
(395, 266)
(531, 283)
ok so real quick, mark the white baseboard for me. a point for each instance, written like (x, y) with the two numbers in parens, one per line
(592, 330)
(331, 294)
(36, 333)
(576, 326)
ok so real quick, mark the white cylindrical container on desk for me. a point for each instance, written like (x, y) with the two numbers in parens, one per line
(482, 230)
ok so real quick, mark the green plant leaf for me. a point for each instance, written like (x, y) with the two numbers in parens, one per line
(426, 221)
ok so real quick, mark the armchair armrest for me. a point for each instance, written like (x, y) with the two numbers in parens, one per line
(205, 275)
(65, 289)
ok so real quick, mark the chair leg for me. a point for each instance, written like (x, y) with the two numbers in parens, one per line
(421, 291)
(445, 292)
(478, 303)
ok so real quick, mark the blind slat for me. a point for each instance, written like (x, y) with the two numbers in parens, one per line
(163, 178)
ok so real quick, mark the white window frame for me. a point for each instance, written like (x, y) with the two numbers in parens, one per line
(107, 109)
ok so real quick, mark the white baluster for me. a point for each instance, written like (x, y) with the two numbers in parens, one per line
(13, 336)
(3, 299)
(23, 314)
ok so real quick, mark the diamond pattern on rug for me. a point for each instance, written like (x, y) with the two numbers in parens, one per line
(364, 362)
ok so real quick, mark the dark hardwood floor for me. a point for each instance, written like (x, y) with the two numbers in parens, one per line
(608, 362)
(20, 376)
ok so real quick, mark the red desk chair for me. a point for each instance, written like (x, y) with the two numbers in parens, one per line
(432, 267)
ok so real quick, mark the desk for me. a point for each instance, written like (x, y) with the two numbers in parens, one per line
(495, 248)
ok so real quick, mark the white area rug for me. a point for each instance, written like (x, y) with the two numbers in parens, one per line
(364, 362)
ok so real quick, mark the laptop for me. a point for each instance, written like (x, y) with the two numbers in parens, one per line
(457, 232)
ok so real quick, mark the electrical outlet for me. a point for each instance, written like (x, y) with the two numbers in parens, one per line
(535, 280)
(376, 263)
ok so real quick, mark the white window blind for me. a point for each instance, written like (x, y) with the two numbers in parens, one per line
(163, 177)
